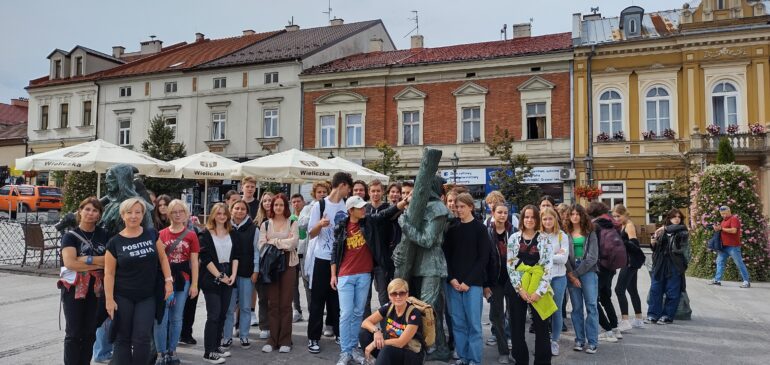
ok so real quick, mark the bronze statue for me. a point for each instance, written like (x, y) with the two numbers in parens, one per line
(120, 186)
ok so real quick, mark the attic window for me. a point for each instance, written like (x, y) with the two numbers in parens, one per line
(176, 64)
(327, 85)
(470, 74)
(354, 83)
(721, 4)
(409, 79)
(632, 26)
(535, 69)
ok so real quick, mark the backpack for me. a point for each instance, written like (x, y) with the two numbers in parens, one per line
(428, 327)
(612, 250)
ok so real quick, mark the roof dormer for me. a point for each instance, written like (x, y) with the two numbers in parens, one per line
(631, 22)
(59, 64)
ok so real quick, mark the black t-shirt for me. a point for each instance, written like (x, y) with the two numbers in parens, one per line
(501, 245)
(137, 264)
(395, 325)
(95, 244)
(466, 248)
(253, 208)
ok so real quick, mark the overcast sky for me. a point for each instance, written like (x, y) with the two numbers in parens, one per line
(31, 29)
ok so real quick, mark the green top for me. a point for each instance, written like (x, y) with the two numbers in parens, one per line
(302, 232)
(579, 245)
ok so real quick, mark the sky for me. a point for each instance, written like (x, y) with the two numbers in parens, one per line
(31, 29)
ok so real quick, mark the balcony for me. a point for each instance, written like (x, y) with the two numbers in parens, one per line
(742, 143)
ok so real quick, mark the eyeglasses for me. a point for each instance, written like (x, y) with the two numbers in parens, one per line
(178, 212)
(398, 294)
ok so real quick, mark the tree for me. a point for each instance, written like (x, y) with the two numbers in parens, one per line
(389, 164)
(160, 144)
(725, 152)
(515, 169)
(78, 185)
(672, 194)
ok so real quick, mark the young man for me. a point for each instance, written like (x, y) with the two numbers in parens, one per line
(394, 193)
(375, 196)
(231, 197)
(249, 187)
(297, 204)
(406, 188)
(354, 256)
(361, 189)
(318, 263)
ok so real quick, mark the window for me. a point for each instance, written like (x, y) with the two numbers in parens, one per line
(354, 130)
(613, 192)
(170, 87)
(79, 66)
(658, 110)
(125, 91)
(5, 190)
(271, 123)
(411, 128)
(64, 115)
(220, 82)
(328, 131)
(86, 113)
(536, 121)
(471, 125)
(721, 4)
(724, 103)
(218, 121)
(632, 26)
(124, 132)
(652, 187)
(44, 117)
(271, 78)
(57, 69)
(171, 123)
(610, 113)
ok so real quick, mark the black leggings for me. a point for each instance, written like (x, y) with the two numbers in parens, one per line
(390, 354)
(80, 332)
(134, 325)
(322, 295)
(627, 282)
(217, 302)
(607, 317)
(518, 317)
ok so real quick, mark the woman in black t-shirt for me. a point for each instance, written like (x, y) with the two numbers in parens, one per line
(402, 341)
(130, 273)
(83, 255)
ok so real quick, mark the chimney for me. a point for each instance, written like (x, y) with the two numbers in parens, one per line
(150, 47)
(375, 45)
(199, 37)
(522, 30)
(417, 41)
(249, 32)
(594, 16)
(577, 26)
(20, 102)
(336, 21)
(118, 51)
(292, 28)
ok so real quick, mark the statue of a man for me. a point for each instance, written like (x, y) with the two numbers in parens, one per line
(120, 187)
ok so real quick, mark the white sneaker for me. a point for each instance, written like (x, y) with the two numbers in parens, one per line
(617, 333)
(637, 323)
(624, 325)
(607, 337)
(296, 317)
(502, 359)
(345, 359)
(267, 348)
(554, 348)
(264, 335)
(358, 356)
(254, 321)
(328, 331)
(284, 349)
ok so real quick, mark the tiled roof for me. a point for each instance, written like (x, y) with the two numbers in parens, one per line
(292, 45)
(550, 43)
(132, 58)
(16, 131)
(12, 114)
(607, 30)
(98, 54)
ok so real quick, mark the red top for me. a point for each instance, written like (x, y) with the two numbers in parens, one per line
(357, 258)
(188, 245)
(731, 239)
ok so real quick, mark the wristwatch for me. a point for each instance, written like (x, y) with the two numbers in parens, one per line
(89, 260)
(376, 329)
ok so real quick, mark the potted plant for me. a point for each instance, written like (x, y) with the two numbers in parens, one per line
(603, 137)
(732, 129)
(588, 192)
(649, 135)
(669, 133)
(757, 129)
(714, 129)
(618, 136)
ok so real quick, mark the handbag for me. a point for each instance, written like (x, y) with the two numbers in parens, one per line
(715, 243)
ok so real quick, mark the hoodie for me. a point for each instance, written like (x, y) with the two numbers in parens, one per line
(669, 251)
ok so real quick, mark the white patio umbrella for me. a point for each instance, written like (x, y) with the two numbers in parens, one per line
(359, 172)
(98, 156)
(289, 167)
(204, 165)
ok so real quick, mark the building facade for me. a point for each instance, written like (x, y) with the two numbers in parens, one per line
(13, 137)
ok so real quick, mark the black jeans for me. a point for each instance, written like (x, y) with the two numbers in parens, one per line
(502, 302)
(297, 304)
(627, 283)
(134, 325)
(390, 354)
(80, 332)
(381, 280)
(542, 327)
(322, 294)
(217, 302)
(607, 317)
(188, 317)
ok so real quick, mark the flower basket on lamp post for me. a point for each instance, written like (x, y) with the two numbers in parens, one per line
(591, 193)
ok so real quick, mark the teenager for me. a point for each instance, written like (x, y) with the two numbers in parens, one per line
(608, 319)
(382, 274)
(297, 205)
(668, 267)
(626, 282)
(260, 295)
(160, 216)
(559, 241)
(498, 289)
(361, 189)
(320, 190)
(583, 280)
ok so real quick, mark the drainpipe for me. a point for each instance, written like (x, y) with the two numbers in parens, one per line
(572, 122)
(589, 159)
(96, 123)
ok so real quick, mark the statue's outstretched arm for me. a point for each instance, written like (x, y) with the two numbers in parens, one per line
(429, 236)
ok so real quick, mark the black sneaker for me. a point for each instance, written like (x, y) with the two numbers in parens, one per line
(172, 359)
(222, 352)
(188, 341)
(665, 320)
(213, 358)
(312, 346)
(227, 343)
(245, 343)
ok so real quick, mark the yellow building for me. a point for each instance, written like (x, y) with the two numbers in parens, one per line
(675, 73)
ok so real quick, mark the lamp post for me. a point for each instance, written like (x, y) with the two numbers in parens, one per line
(455, 162)
(331, 155)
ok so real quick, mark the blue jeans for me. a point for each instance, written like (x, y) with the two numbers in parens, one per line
(170, 327)
(465, 310)
(586, 296)
(559, 285)
(102, 346)
(353, 290)
(673, 289)
(242, 296)
(735, 253)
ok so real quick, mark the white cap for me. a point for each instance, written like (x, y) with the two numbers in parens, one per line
(355, 201)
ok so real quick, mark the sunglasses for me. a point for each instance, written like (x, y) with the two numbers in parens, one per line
(398, 294)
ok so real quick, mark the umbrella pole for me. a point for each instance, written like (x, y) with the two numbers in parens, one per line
(98, 186)
(205, 197)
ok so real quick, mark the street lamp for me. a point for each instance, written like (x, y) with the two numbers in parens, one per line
(455, 162)
(331, 155)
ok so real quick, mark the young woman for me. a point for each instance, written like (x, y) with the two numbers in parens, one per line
(546, 201)
(466, 247)
(219, 267)
(529, 247)
(247, 234)
(261, 289)
(264, 208)
(668, 265)
(608, 318)
(627, 277)
(584, 280)
(130, 273)
(281, 233)
(498, 288)
(160, 215)
(83, 255)
(401, 341)
(550, 230)
(181, 247)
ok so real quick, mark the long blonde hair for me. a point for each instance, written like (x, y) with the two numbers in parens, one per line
(262, 213)
(556, 219)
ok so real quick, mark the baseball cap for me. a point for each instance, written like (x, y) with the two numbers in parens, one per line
(724, 208)
(355, 201)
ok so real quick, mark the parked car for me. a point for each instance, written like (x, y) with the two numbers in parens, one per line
(30, 198)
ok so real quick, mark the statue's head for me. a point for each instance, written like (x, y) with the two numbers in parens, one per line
(120, 181)
(437, 187)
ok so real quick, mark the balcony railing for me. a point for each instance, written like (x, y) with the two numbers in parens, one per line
(741, 142)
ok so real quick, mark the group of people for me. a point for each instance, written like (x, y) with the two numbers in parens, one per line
(249, 257)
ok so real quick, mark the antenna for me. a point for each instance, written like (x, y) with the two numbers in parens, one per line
(328, 11)
(504, 32)
(416, 20)
(595, 10)
(152, 37)
(291, 22)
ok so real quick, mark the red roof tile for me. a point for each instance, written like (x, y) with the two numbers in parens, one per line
(550, 43)
(12, 114)
(16, 131)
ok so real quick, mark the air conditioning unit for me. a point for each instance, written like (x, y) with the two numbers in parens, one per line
(567, 174)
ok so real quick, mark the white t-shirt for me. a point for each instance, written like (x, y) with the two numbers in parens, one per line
(325, 239)
(223, 246)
